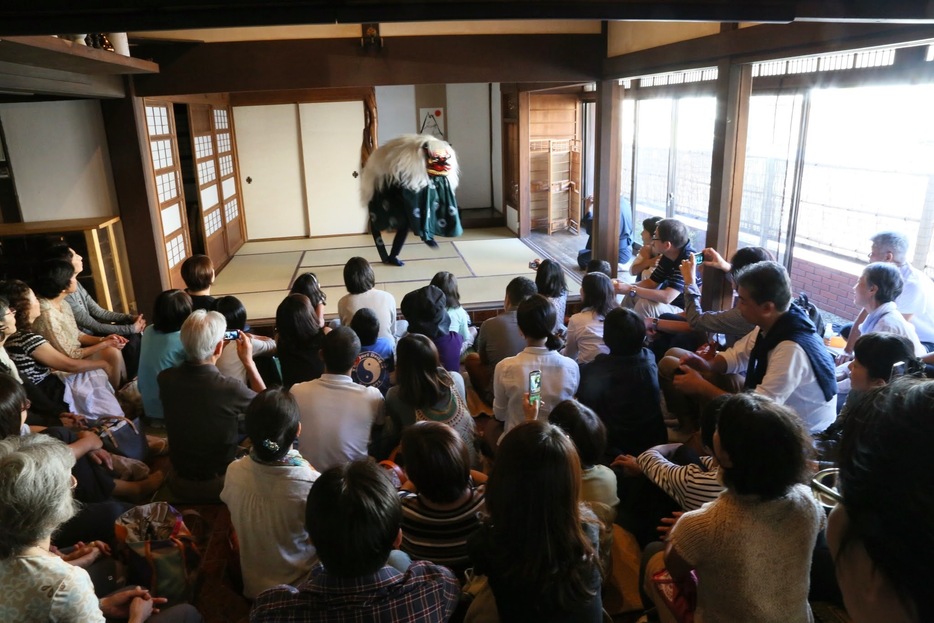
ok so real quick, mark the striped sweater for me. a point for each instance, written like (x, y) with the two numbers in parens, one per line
(691, 486)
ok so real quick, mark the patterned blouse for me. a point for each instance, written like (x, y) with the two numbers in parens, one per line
(58, 326)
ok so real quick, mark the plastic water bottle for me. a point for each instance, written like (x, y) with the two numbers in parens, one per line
(828, 330)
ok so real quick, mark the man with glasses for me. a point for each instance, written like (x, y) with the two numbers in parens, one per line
(663, 291)
(916, 302)
(783, 358)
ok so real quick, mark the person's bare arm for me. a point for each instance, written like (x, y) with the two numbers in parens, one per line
(51, 358)
(854, 335)
(245, 353)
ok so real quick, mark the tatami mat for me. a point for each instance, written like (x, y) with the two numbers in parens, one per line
(483, 260)
(496, 257)
(333, 257)
(256, 273)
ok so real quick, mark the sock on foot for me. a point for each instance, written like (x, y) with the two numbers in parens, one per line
(393, 261)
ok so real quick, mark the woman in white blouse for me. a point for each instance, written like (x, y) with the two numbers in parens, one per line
(585, 328)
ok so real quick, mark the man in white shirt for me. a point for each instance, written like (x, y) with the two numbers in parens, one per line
(337, 415)
(783, 358)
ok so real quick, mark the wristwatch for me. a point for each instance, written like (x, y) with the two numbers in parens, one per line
(632, 292)
(655, 324)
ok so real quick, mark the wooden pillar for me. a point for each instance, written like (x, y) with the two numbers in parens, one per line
(606, 173)
(524, 174)
(734, 87)
(125, 125)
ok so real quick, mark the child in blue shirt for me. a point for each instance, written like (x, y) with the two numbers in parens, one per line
(376, 360)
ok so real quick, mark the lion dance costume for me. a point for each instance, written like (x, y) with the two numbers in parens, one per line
(409, 184)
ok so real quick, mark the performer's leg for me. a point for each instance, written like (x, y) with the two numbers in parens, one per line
(380, 246)
(401, 233)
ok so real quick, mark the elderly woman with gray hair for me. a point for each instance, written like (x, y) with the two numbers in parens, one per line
(876, 291)
(38, 585)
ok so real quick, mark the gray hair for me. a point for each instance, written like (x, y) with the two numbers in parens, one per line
(887, 279)
(35, 491)
(893, 242)
(201, 332)
(766, 282)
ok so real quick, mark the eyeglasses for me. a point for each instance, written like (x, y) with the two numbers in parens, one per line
(824, 486)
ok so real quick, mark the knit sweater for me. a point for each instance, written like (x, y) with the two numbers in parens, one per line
(752, 558)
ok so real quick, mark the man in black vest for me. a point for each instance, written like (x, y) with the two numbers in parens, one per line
(782, 358)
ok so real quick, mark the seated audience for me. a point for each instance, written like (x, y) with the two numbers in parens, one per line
(362, 292)
(229, 363)
(99, 475)
(598, 482)
(497, 339)
(546, 568)
(307, 284)
(56, 323)
(694, 320)
(551, 283)
(376, 361)
(35, 499)
(622, 386)
(669, 478)
(266, 493)
(203, 408)
(751, 546)
(94, 319)
(560, 375)
(876, 292)
(35, 359)
(353, 518)
(663, 291)
(298, 340)
(599, 266)
(425, 310)
(643, 264)
(425, 391)
(585, 328)
(162, 347)
(875, 357)
(783, 358)
(198, 275)
(337, 415)
(883, 521)
(460, 321)
(625, 233)
(916, 301)
(442, 498)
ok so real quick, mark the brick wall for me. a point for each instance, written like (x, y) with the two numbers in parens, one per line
(829, 289)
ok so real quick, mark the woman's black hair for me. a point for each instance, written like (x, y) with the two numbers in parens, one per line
(651, 223)
(597, 293)
(888, 492)
(624, 332)
(878, 352)
(54, 278)
(536, 319)
(549, 279)
(170, 310)
(296, 322)
(272, 423)
(748, 256)
(307, 284)
(585, 429)
(767, 446)
(358, 276)
(12, 402)
(233, 311)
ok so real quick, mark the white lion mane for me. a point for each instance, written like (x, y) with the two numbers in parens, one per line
(402, 161)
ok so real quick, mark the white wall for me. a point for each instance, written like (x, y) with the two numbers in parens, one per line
(468, 131)
(58, 152)
(395, 107)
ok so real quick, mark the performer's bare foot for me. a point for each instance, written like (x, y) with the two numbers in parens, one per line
(393, 261)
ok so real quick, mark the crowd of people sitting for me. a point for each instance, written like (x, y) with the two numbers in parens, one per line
(418, 468)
